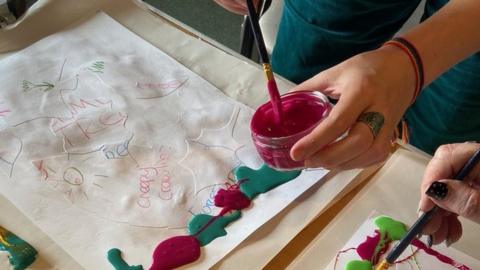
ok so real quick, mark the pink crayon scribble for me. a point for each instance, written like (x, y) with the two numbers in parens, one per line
(159, 90)
(86, 126)
(112, 119)
(75, 109)
(159, 175)
(41, 169)
(173, 84)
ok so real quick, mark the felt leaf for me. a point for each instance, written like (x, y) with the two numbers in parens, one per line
(253, 182)
(215, 229)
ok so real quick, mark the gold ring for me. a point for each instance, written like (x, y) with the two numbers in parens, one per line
(374, 120)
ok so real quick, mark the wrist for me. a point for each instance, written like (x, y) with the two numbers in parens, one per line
(411, 51)
(405, 73)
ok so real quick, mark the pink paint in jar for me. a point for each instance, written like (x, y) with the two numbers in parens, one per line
(302, 112)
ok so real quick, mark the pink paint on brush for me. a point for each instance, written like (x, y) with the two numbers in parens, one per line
(302, 112)
(275, 100)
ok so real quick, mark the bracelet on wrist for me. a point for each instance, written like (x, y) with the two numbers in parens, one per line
(414, 58)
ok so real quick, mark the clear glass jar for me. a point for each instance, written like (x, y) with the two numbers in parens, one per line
(302, 112)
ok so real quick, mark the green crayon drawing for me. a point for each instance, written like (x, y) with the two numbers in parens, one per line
(44, 86)
(97, 67)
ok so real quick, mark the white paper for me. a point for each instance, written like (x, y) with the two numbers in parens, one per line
(421, 261)
(107, 142)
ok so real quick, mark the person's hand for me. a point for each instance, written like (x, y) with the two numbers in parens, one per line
(454, 197)
(235, 6)
(381, 81)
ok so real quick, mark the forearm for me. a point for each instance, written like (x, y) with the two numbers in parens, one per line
(449, 36)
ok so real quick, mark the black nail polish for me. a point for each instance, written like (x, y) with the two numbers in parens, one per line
(437, 190)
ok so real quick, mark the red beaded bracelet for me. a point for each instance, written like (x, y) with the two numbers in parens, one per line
(415, 59)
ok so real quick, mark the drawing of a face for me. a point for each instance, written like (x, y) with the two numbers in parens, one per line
(73, 176)
(67, 177)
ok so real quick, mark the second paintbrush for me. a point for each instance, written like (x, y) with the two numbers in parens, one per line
(423, 220)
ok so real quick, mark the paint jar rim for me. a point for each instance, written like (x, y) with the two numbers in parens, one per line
(275, 150)
(268, 140)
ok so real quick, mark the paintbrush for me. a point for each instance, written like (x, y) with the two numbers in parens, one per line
(262, 52)
(417, 228)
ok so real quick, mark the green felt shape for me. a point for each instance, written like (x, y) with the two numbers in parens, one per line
(254, 182)
(390, 230)
(115, 258)
(215, 229)
(359, 265)
(20, 253)
(395, 230)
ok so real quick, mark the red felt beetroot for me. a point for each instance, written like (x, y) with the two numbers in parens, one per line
(175, 252)
(231, 199)
(366, 250)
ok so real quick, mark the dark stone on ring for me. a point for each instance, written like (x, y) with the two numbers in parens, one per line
(374, 120)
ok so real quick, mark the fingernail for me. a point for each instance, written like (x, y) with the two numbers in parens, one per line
(437, 190)
(419, 211)
(448, 242)
(299, 156)
(430, 241)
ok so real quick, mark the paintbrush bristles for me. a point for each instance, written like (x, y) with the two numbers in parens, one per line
(384, 265)
(268, 71)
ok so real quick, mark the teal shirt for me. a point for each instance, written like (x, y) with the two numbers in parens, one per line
(315, 35)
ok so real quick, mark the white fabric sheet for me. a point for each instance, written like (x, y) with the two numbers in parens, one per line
(106, 142)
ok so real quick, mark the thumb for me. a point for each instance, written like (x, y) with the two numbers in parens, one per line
(323, 82)
(457, 197)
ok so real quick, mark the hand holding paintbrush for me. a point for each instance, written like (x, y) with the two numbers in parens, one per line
(452, 195)
(460, 198)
